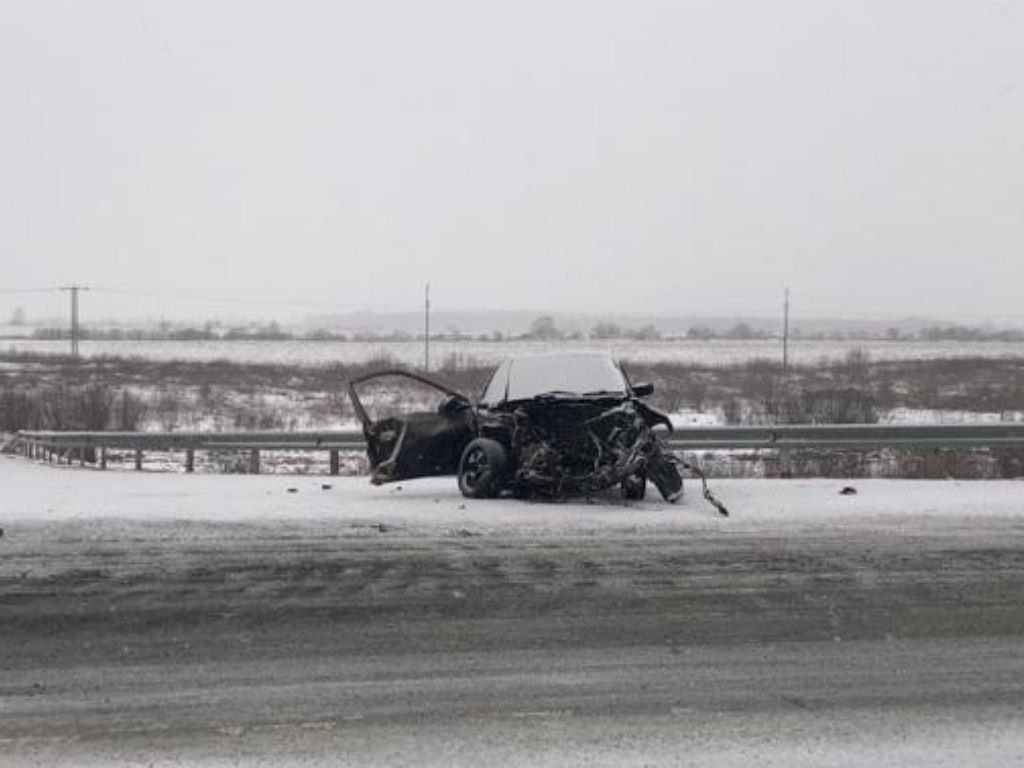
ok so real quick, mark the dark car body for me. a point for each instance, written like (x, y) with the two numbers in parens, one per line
(543, 426)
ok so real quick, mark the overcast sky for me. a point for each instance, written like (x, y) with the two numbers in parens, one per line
(579, 155)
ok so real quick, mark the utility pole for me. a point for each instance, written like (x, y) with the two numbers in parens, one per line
(785, 463)
(785, 337)
(426, 330)
(74, 289)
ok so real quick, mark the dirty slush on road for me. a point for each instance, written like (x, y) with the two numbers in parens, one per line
(127, 592)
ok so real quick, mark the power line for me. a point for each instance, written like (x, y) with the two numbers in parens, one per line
(238, 299)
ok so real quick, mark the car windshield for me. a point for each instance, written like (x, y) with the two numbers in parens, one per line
(571, 375)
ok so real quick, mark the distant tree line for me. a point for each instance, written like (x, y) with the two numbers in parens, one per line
(543, 328)
(964, 333)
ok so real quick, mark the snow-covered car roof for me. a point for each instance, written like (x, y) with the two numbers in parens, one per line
(579, 374)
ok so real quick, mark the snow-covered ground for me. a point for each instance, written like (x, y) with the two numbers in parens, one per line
(687, 417)
(934, 416)
(35, 492)
(141, 561)
(708, 352)
(8, 331)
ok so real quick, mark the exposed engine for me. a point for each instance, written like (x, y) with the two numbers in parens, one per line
(583, 446)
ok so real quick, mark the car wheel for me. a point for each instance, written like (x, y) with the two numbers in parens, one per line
(482, 468)
(634, 487)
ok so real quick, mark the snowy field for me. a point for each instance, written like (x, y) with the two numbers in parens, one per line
(711, 352)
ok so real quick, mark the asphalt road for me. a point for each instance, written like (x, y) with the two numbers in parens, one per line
(327, 643)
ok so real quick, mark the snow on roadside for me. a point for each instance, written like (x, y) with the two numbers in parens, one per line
(687, 417)
(918, 416)
(33, 492)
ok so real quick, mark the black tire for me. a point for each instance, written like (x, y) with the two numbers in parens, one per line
(482, 468)
(634, 487)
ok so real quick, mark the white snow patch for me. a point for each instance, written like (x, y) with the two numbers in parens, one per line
(687, 417)
(919, 416)
(36, 492)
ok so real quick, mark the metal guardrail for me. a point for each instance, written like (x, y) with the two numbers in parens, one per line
(794, 436)
(849, 437)
(93, 446)
(180, 441)
(789, 437)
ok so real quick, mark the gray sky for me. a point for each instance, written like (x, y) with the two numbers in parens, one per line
(579, 155)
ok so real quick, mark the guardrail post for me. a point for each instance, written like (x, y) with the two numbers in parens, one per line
(190, 459)
(138, 460)
(254, 461)
(785, 463)
(103, 458)
(335, 461)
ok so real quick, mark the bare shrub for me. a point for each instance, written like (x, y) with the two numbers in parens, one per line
(20, 409)
(167, 409)
(732, 410)
(331, 406)
(128, 412)
(93, 406)
(839, 405)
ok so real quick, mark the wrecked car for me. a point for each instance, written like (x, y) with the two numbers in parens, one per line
(544, 427)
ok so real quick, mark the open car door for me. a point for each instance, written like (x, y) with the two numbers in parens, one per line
(416, 444)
